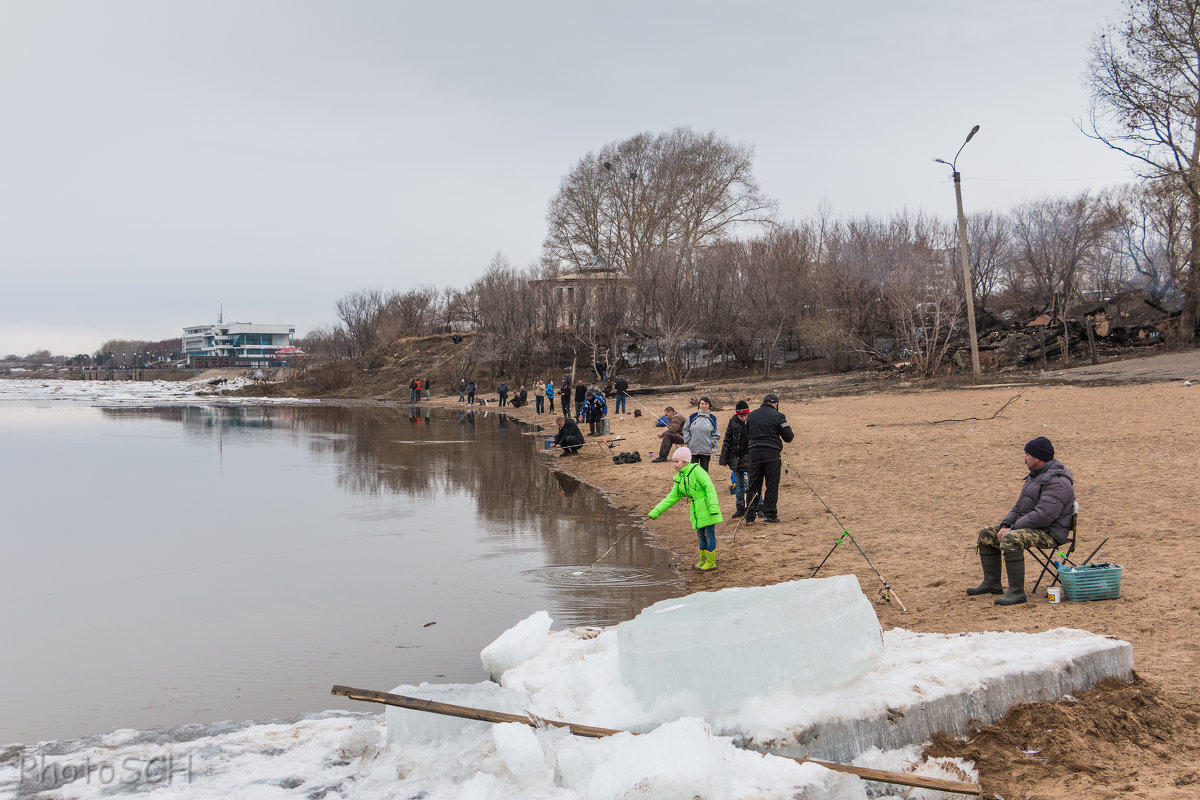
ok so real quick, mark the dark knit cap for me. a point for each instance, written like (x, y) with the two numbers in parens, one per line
(771, 398)
(1040, 448)
(742, 405)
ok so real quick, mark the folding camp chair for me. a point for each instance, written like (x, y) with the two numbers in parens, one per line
(1046, 556)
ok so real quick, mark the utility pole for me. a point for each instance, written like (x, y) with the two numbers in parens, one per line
(968, 287)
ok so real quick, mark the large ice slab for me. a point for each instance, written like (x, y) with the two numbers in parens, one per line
(929, 683)
(711, 651)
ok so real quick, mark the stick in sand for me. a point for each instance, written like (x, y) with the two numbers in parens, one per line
(640, 523)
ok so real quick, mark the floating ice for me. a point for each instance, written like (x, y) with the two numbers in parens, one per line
(517, 644)
(712, 650)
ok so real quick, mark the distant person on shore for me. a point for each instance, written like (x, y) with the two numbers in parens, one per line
(428, 391)
(471, 393)
(595, 410)
(412, 390)
(502, 390)
(1041, 517)
(700, 433)
(622, 387)
(462, 389)
(767, 429)
(539, 397)
(569, 437)
(671, 435)
(734, 448)
(550, 395)
(693, 483)
(580, 394)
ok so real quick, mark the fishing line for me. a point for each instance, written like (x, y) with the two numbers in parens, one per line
(639, 524)
(888, 592)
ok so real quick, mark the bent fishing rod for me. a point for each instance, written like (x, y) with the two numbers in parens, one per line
(888, 592)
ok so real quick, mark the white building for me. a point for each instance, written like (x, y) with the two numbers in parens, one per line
(236, 344)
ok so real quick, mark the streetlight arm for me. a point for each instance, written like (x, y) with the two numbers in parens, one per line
(970, 135)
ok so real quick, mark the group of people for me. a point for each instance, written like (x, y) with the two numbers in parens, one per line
(416, 386)
(753, 451)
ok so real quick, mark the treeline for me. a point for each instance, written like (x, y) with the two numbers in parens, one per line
(854, 291)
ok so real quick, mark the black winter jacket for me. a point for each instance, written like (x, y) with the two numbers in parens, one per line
(569, 434)
(735, 445)
(766, 427)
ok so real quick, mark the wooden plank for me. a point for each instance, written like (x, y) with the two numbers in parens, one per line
(485, 715)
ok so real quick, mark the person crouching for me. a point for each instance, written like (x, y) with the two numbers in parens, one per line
(692, 482)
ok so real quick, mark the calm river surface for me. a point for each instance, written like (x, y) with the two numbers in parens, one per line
(164, 565)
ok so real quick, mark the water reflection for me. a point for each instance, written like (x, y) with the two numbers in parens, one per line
(285, 549)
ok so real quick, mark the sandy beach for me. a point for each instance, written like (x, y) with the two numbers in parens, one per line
(913, 474)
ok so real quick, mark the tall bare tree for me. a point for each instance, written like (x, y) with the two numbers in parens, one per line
(1145, 82)
(360, 313)
(680, 189)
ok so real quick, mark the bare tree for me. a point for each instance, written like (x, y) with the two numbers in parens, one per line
(360, 313)
(1055, 239)
(1145, 82)
(1149, 240)
(680, 190)
(990, 240)
(666, 285)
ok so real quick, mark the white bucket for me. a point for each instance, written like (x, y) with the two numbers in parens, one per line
(1054, 593)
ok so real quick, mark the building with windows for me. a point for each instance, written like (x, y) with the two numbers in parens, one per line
(237, 344)
(584, 296)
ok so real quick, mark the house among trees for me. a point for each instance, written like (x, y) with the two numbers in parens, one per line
(581, 297)
(237, 344)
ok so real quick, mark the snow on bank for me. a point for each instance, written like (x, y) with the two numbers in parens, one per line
(106, 393)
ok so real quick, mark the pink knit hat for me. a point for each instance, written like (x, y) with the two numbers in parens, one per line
(681, 454)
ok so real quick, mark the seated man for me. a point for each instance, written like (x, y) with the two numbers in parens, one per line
(568, 437)
(671, 435)
(1041, 517)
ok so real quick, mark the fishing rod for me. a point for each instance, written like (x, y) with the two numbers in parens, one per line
(639, 524)
(743, 519)
(888, 592)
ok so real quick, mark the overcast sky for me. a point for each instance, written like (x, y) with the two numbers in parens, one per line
(159, 159)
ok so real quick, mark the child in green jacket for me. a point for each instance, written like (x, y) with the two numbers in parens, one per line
(692, 482)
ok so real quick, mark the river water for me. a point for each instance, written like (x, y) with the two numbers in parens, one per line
(199, 562)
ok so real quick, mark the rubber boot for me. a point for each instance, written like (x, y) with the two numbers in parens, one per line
(710, 560)
(703, 560)
(989, 557)
(1014, 562)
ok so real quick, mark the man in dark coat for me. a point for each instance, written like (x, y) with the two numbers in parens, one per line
(766, 429)
(1041, 517)
(580, 396)
(622, 387)
(569, 437)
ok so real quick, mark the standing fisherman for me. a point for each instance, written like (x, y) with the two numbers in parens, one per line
(693, 483)
(767, 430)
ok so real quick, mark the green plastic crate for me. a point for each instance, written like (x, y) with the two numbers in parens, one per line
(1091, 582)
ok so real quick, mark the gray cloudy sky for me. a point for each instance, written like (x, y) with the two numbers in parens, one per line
(159, 158)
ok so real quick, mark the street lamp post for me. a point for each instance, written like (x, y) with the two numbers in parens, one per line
(968, 288)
